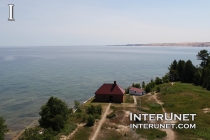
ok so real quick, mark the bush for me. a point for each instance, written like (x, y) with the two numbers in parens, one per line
(90, 120)
(111, 115)
(3, 128)
(91, 109)
(37, 133)
(98, 109)
(158, 89)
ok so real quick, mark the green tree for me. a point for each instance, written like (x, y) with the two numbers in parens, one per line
(148, 88)
(188, 73)
(158, 81)
(180, 69)
(165, 78)
(173, 75)
(137, 85)
(143, 84)
(197, 77)
(152, 83)
(54, 114)
(206, 77)
(204, 56)
(76, 104)
(3, 128)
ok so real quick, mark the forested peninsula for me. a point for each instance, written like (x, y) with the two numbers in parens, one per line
(184, 44)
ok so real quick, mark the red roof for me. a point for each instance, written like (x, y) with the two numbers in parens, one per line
(110, 89)
(136, 89)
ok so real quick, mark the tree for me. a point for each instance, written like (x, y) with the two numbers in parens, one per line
(143, 84)
(137, 85)
(204, 56)
(158, 81)
(76, 104)
(148, 88)
(165, 78)
(206, 77)
(188, 73)
(173, 75)
(127, 90)
(54, 114)
(152, 83)
(3, 128)
(180, 69)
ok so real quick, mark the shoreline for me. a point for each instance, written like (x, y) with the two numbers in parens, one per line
(182, 44)
(88, 100)
(35, 121)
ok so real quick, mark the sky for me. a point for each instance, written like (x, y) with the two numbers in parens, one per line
(103, 22)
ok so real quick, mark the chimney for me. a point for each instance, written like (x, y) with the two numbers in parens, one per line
(114, 82)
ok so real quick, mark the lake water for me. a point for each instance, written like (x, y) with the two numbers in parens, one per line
(29, 76)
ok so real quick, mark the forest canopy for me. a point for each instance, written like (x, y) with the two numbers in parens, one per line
(188, 73)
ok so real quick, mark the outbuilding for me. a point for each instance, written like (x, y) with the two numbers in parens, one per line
(110, 93)
(136, 91)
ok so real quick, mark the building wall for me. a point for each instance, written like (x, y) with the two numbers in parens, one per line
(135, 93)
(108, 98)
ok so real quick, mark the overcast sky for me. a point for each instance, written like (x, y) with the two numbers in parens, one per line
(103, 22)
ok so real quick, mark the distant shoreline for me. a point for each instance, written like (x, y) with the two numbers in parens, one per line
(184, 44)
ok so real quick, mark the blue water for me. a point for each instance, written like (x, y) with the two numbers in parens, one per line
(30, 75)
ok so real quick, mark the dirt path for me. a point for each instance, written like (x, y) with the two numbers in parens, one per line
(134, 98)
(170, 133)
(101, 122)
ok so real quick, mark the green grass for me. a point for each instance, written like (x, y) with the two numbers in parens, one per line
(151, 134)
(110, 135)
(128, 98)
(186, 98)
(82, 133)
(149, 106)
(69, 128)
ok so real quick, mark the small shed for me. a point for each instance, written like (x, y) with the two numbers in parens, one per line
(136, 91)
(110, 93)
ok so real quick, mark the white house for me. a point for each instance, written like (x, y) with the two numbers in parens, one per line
(136, 91)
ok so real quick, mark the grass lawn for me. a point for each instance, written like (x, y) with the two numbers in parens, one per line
(186, 98)
(69, 128)
(149, 105)
(151, 134)
(108, 134)
(128, 98)
(82, 133)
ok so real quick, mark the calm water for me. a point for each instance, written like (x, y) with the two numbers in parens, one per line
(30, 75)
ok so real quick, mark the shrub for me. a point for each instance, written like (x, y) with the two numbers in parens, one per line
(3, 128)
(111, 115)
(91, 109)
(158, 89)
(90, 120)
